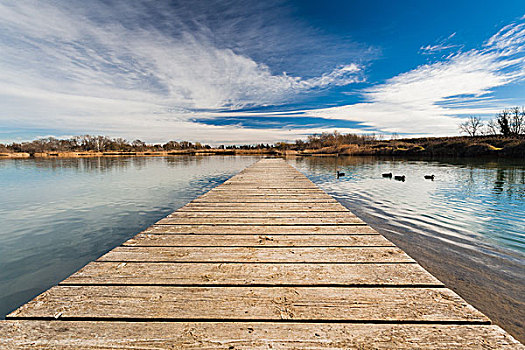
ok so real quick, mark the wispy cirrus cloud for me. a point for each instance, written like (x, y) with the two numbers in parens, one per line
(97, 65)
(430, 98)
(442, 45)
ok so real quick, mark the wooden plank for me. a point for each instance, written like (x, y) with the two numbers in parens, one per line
(274, 190)
(263, 214)
(252, 303)
(259, 189)
(249, 207)
(265, 190)
(255, 180)
(282, 181)
(259, 254)
(253, 274)
(257, 194)
(287, 178)
(144, 239)
(263, 200)
(68, 335)
(350, 220)
(326, 206)
(261, 229)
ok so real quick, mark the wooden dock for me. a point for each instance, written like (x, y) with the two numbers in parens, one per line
(266, 260)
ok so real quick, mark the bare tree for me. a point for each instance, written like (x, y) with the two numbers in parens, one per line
(517, 121)
(491, 128)
(471, 126)
(504, 122)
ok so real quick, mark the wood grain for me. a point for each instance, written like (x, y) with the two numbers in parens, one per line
(262, 214)
(261, 229)
(348, 220)
(144, 239)
(259, 254)
(253, 274)
(254, 207)
(252, 303)
(67, 335)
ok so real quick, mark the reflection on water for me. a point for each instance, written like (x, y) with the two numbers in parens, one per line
(476, 204)
(57, 215)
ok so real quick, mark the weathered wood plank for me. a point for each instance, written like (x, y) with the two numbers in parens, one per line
(257, 180)
(283, 190)
(144, 239)
(259, 254)
(264, 193)
(252, 303)
(257, 194)
(271, 184)
(67, 335)
(261, 229)
(349, 220)
(262, 214)
(263, 200)
(253, 274)
(282, 178)
(270, 206)
(249, 207)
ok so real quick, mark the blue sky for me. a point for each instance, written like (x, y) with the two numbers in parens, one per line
(234, 71)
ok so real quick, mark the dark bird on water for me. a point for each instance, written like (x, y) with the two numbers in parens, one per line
(339, 174)
(429, 177)
(400, 178)
(387, 175)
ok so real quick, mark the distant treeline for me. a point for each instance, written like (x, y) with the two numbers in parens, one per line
(333, 139)
(89, 143)
(502, 136)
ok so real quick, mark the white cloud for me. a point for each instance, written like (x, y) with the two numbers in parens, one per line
(442, 45)
(74, 66)
(428, 99)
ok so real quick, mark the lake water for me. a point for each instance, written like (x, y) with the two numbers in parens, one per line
(467, 226)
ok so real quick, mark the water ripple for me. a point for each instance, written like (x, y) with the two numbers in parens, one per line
(477, 205)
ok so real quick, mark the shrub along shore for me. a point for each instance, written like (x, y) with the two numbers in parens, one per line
(326, 144)
(85, 154)
(507, 147)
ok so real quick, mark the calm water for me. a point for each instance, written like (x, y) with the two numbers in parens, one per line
(477, 205)
(467, 226)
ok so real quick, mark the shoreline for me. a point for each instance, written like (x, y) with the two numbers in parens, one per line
(275, 153)
(51, 155)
